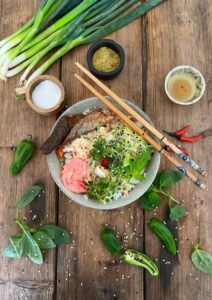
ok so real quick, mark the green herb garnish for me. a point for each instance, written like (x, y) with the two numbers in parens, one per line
(177, 212)
(202, 260)
(127, 154)
(152, 198)
(30, 241)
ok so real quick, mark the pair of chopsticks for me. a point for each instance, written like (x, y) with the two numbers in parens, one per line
(146, 124)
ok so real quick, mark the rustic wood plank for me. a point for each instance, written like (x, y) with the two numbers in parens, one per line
(26, 120)
(22, 276)
(85, 270)
(21, 279)
(178, 32)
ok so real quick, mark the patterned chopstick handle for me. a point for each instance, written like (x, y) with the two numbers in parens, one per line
(185, 158)
(191, 163)
(183, 170)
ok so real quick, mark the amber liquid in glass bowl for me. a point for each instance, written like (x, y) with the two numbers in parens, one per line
(183, 87)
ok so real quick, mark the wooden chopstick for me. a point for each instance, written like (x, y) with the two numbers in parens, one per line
(145, 123)
(152, 142)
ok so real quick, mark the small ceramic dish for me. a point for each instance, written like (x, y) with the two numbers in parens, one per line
(140, 189)
(112, 45)
(196, 74)
(50, 111)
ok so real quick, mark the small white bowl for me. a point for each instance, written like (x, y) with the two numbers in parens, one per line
(140, 189)
(186, 69)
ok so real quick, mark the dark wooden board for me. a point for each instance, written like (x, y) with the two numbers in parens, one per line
(20, 279)
(89, 271)
(178, 32)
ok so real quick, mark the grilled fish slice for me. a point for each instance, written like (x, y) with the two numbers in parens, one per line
(89, 123)
(71, 127)
(60, 132)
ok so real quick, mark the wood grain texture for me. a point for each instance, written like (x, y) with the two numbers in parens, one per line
(20, 279)
(85, 270)
(179, 33)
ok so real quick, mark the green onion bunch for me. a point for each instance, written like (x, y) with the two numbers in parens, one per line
(63, 25)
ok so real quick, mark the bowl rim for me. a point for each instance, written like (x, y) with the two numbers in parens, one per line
(194, 70)
(94, 204)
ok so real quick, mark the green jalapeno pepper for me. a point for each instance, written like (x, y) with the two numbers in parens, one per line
(23, 153)
(139, 259)
(110, 241)
(164, 235)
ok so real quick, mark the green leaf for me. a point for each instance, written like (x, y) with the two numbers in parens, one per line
(57, 234)
(202, 260)
(150, 200)
(157, 180)
(140, 163)
(138, 175)
(177, 212)
(126, 160)
(169, 177)
(43, 240)
(110, 241)
(17, 242)
(29, 195)
(31, 249)
(30, 246)
(10, 252)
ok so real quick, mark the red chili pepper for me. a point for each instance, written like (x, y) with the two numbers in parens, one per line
(184, 150)
(183, 130)
(60, 152)
(105, 163)
(191, 139)
(179, 132)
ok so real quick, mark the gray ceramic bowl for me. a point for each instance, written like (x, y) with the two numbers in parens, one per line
(55, 168)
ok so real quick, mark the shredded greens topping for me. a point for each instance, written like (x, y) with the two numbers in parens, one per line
(127, 154)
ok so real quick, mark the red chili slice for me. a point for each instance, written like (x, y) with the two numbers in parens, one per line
(105, 163)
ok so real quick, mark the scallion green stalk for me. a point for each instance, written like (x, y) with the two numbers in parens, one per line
(114, 6)
(56, 39)
(116, 13)
(62, 22)
(14, 41)
(123, 21)
(19, 68)
(32, 51)
(38, 19)
(23, 31)
(68, 46)
(61, 8)
(87, 37)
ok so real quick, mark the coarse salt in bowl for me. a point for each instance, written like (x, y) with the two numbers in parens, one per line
(45, 95)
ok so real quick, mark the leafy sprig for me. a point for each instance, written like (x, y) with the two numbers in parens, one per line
(202, 260)
(32, 241)
(152, 198)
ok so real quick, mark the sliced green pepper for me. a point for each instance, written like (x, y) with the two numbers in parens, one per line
(23, 153)
(164, 234)
(139, 259)
(110, 241)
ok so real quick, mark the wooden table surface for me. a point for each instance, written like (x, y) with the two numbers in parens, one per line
(179, 32)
